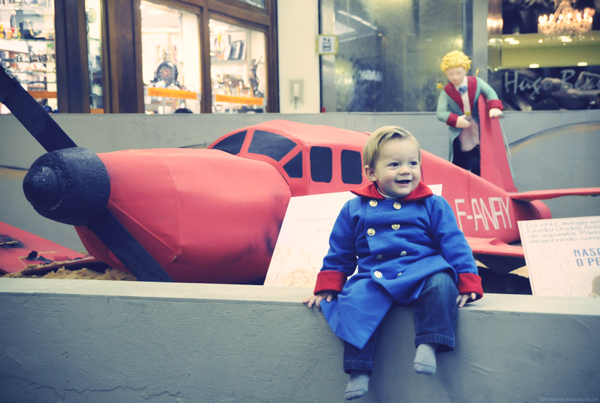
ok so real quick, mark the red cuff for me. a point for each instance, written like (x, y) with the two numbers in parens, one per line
(452, 119)
(330, 280)
(468, 283)
(495, 103)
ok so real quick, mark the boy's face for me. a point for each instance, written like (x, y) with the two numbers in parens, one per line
(456, 75)
(397, 171)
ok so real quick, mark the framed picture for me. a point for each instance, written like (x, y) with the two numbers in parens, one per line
(237, 51)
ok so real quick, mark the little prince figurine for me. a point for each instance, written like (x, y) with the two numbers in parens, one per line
(457, 107)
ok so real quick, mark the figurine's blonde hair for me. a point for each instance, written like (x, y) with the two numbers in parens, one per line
(456, 58)
(379, 138)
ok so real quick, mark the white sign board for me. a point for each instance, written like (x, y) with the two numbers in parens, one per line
(327, 44)
(303, 239)
(563, 256)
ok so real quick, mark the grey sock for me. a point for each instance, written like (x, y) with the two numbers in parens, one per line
(425, 359)
(358, 385)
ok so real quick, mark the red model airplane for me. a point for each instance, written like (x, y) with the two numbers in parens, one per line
(214, 215)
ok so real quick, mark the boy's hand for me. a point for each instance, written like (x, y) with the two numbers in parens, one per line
(462, 122)
(316, 299)
(462, 299)
(496, 113)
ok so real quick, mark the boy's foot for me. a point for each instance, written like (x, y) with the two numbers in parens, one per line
(425, 359)
(358, 385)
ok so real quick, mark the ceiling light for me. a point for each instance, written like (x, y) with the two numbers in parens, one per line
(566, 20)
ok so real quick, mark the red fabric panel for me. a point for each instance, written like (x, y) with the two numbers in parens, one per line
(13, 258)
(330, 281)
(204, 215)
(468, 283)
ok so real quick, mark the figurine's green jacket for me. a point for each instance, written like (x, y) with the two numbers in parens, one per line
(396, 245)
(450, 104)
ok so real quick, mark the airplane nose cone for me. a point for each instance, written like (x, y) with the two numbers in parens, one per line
(69, 185)
(42, 188)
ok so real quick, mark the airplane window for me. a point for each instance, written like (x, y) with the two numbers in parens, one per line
(351, 167)
(270, 144)
(321, 164)
(294, 166)
(232, 144)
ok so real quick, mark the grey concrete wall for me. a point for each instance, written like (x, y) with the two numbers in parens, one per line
(105, 341)
(555, 150)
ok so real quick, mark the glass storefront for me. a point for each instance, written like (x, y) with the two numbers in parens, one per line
(27, 47)
(93, 13)
(238, 74)
(388, 53)
(548, 67)
(170, 59)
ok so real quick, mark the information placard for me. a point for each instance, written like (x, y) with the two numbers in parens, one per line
(304, 239)
(563, 256)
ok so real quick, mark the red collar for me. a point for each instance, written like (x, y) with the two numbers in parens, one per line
(456, 97)
(421, 192)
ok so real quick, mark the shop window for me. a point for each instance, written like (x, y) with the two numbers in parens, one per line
(27, 48)
(237, 58)
(170, 59)
(321, 168)
(389, 53)
(93, 13)
(546, 67)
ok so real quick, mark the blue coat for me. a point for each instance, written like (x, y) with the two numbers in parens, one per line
(396, 245)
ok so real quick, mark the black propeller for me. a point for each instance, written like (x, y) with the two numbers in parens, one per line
(70, 184)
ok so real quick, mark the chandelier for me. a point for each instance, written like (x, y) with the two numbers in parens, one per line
(566, 20)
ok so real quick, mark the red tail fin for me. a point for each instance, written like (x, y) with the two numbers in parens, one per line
(494, 161)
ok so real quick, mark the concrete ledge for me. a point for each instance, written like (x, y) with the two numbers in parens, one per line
(104, 341)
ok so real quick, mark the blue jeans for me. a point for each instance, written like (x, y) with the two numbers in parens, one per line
(435, 321)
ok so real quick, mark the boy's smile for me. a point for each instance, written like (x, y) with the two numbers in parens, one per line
(397, 171)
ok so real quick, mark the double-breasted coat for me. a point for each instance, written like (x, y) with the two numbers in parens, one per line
(396, 244)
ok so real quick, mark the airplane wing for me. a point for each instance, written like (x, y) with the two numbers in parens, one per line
(497, 255)
(20, 250)
(553, 193)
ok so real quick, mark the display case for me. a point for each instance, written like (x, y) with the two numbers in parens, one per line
(171, 59)
(27, 47)
(237, 69)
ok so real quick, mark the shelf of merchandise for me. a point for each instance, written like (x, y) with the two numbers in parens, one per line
(31, 60)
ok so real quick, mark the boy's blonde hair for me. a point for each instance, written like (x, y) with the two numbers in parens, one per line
(379, 138)
(455, 58)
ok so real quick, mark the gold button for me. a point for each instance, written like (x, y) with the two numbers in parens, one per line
(370, 232)
(379, 257)
(403, 253)
(397, 205)
(373, 203)
(378, 274)
(395, 226)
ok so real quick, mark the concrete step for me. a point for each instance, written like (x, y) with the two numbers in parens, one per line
(110, 341)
